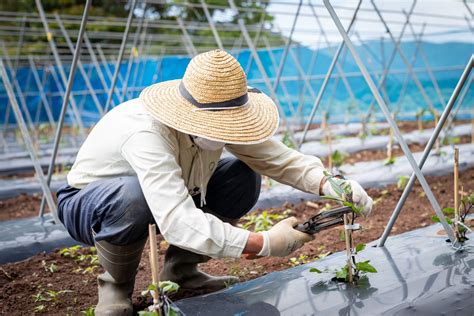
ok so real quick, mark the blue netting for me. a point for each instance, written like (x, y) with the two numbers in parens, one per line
(448, 61)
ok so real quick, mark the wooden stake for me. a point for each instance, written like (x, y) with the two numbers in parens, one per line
(347, 234)
(390, 145)
(456, 191)
(154, 265)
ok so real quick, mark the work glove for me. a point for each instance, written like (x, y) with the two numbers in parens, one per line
(282, 239)
(359, 197)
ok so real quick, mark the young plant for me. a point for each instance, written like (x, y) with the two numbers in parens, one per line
(390, 161)
(402, 182)
(358, 268)
(287, 140)
(465, 208)
(167, 307)
(338, 158)
(343, 191)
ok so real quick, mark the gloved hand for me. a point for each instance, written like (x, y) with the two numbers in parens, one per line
(359, 197)
(282, 239)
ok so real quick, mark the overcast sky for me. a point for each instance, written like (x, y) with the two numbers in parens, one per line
(446, 20)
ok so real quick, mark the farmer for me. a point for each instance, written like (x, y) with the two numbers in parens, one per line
(156, 159)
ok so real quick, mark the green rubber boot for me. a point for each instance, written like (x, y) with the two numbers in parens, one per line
(181, 266)
(117, 283)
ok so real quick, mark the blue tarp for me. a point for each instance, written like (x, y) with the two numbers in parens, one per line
(448, 61)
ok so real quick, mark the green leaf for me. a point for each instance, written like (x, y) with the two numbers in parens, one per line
(366, 267)
(450, 222)
(342, 274)
(147, 313)
(435, 219)
(168, 287)
(315, 270)
(448, 210)
(360, 247)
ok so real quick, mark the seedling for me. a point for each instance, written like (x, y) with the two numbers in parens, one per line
(51, 268)
(162, 305)
(167, 307)
(39, 309)
(402, 182)
(338, 158)
(89, 311)
(287, 140)
(351, 272)
(263, 221)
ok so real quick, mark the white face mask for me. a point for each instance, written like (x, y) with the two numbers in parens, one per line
(207, 144)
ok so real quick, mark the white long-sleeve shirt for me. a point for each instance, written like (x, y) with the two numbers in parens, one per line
(170, 168)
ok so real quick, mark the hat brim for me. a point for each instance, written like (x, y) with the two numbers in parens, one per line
(252, 123)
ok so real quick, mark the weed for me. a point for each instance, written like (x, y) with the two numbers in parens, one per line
(287, 140)
(89, 311)
(338, 158)
(263, 221)
(51, 268)
(296, 261)
(402, 182)
(390, 161)
(39, 309)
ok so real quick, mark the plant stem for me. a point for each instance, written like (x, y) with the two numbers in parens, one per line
(347, 233)
(456, 192)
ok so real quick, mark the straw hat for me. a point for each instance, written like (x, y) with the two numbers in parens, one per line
(213, 101)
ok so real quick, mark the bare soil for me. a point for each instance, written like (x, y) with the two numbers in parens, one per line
(24, 282)
(371, 155)
(24, 206)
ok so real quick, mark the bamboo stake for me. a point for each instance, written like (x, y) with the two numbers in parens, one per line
(347, 234)
(456, 191)
(154, 266)
(327, 134)
(390, 145)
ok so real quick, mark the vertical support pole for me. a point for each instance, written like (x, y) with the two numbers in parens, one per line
(405, 60)
(15, 65)
(62, 74)
(37, 79)
(70, 81)
(84, 75)
(386, 71)
(27, 139)
(133, 54)
(188, 43)
(386, 112)
(120, 56)
(212, 25)
(262, 71)
(95, 62)
(456, 192)
(427, 150)
(318, 100)
(19, 91)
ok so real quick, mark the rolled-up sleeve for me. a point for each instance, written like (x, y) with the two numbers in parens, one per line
(275, 160)
(153, 157)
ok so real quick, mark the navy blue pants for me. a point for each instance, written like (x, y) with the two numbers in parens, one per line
(116, 210)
